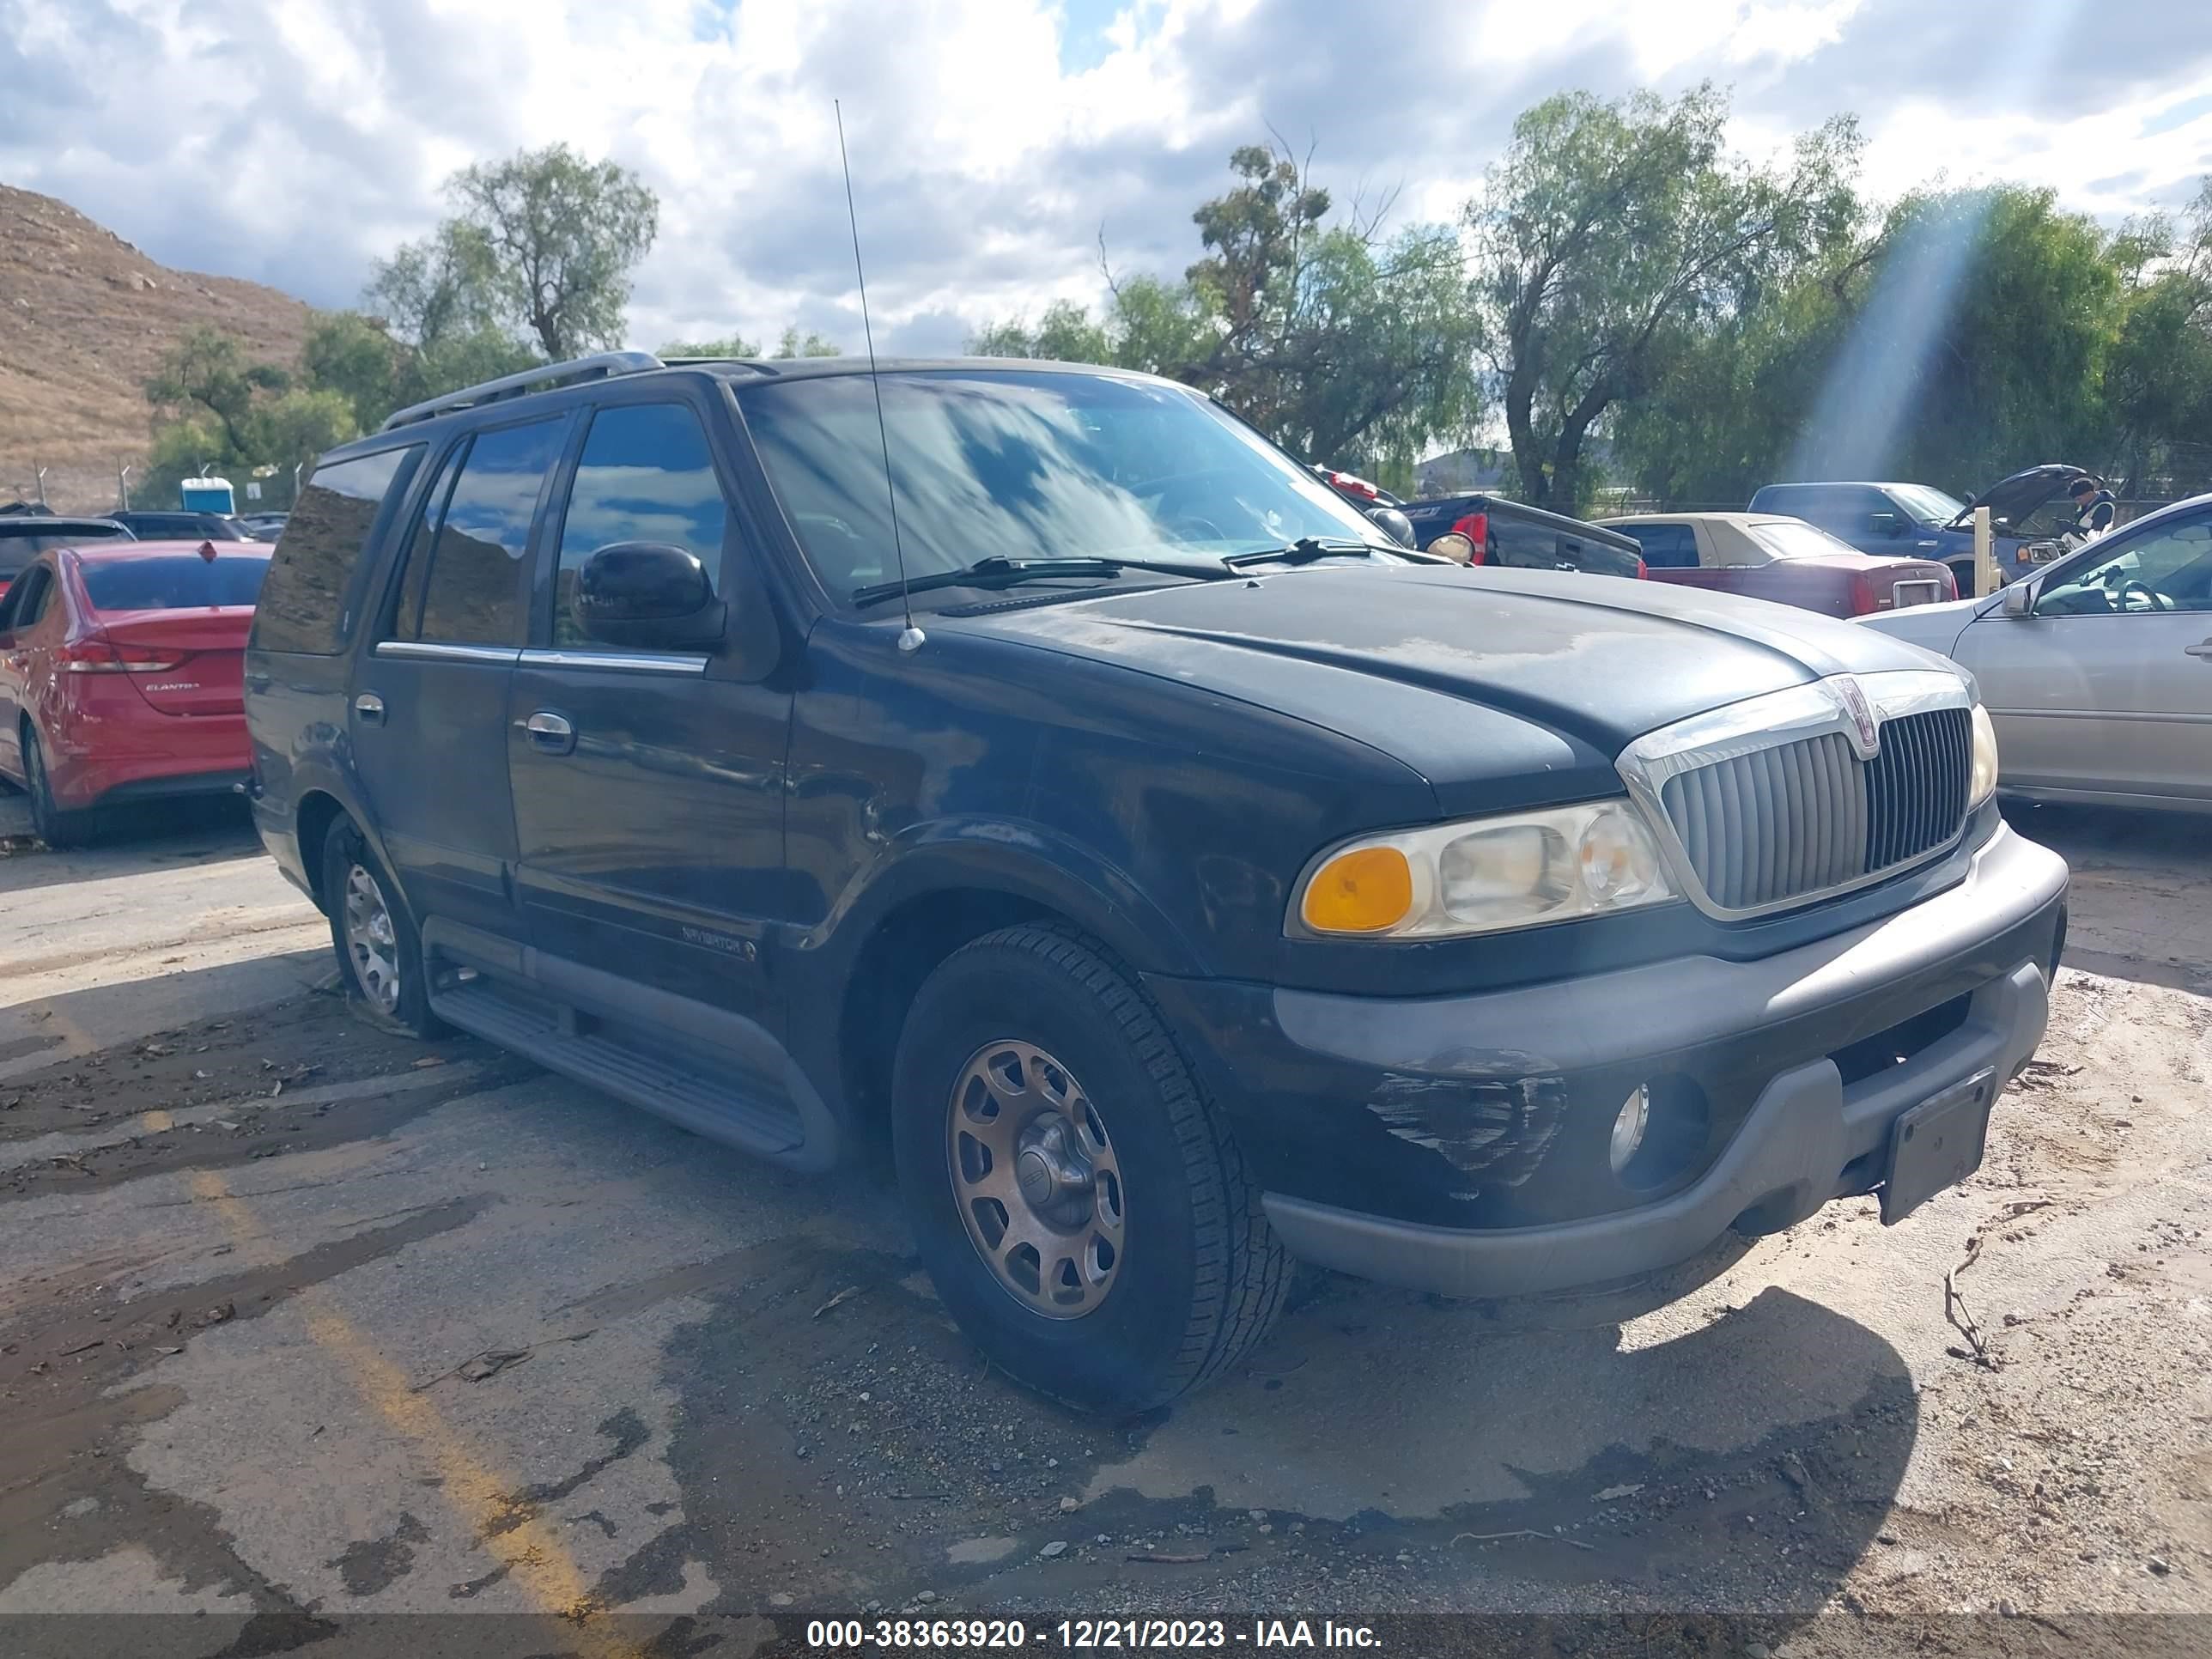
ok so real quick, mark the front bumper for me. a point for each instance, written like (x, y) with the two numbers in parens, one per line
(1497, 1105)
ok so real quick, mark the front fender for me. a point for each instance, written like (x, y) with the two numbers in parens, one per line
(1015, 858)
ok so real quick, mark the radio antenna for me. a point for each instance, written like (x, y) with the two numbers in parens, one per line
(910, 637)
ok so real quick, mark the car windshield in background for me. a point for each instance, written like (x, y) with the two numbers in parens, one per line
(19, 547)
(1928, 506)
(1797, 541)
(183, 582)
(1024, 466)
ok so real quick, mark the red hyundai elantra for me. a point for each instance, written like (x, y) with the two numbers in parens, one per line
(121, 675)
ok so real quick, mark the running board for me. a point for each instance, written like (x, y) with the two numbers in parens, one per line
(721, 1109)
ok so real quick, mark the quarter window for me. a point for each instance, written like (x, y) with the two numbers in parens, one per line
(307, 603)
(646, 474)
(477, 591)
(1666, 546)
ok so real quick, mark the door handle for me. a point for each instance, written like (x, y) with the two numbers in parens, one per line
(370, 708)
(549, 732)
(2204, 650)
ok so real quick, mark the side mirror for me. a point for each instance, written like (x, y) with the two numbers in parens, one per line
(1886, 524)
(648, 594)
(1454, 546)
(2019, 601)
(1395, 525)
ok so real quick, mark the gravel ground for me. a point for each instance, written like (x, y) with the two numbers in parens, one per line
(302, 1320)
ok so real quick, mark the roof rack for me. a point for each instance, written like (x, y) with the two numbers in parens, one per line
(602, 367)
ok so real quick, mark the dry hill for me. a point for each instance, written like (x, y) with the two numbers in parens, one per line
(84, 319)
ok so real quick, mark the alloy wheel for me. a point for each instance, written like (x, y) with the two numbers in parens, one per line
(1036, 1178)
(372, 944)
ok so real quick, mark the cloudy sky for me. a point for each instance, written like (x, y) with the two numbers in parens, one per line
(992, 140)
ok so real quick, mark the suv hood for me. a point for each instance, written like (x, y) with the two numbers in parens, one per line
(2011, 499)
(1510, 677)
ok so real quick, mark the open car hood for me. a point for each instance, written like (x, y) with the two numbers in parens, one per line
(2011, 499)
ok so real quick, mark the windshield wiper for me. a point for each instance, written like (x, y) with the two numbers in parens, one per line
(999, 571)
(1308, 549)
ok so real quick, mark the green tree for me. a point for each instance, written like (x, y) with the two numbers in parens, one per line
(735, 345)
(206, 378)
(2157, 373)
(215, 409)
(1607, 230)
(539, 250)
(1341, 344)
(793, 343)
(560, 235)
(355, 357)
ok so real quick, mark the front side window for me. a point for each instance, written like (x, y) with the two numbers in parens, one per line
(312, 590)
(1024, 466)
(476, 589)
(646, 474)
(2169, 569)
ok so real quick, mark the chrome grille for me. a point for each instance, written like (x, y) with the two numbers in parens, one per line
(1800, 818)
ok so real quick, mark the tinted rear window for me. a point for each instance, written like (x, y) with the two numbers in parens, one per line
(307, 602)
(185, 581)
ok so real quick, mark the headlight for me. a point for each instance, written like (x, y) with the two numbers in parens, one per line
(1517, 871)
(1985, 759)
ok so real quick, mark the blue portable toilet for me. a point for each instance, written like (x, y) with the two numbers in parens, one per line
(208, 495)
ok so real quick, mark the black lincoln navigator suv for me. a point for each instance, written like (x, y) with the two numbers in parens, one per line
(1187, 879)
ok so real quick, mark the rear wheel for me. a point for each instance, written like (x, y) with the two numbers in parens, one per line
(379, 954)
(1079, 1204)
(50, 822)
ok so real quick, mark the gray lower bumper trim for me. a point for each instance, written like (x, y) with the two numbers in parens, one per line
(1786, 1161)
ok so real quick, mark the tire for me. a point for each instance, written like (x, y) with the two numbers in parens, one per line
(1031, 1041)
(380, 965)
(50, 822)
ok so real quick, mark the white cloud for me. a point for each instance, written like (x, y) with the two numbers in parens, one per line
(294, 142)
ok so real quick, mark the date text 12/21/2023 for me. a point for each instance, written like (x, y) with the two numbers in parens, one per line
(983, 1634)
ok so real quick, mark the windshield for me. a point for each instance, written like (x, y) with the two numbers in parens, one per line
(1786, 539)
(1026, 466)
(184, 581)
(1926, 505)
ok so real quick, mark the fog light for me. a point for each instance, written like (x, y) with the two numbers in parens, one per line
(1628, 1128)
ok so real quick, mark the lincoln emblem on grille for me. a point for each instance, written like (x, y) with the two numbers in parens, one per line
(1862, 714)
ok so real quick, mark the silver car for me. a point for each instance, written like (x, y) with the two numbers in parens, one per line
(2097, 671)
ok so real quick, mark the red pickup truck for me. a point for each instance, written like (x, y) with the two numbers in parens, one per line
(1768, 557)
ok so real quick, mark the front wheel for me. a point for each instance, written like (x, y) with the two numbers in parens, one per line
(379, 954)
(1079, 1204)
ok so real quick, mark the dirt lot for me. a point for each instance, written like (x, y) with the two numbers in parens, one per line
(301, 1321)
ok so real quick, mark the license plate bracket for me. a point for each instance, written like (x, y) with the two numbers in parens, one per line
(1938, 1144)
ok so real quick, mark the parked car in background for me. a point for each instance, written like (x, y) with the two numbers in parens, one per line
(1514, 536)
(2029, 511)
(1360, 492)
(182, 526)
(263, 527)
(1188, 884)
(1784, 560)
(2097, 671)
(120, 676)
(23, 537)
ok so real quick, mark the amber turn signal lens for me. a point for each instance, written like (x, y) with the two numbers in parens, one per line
(1361, 891)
